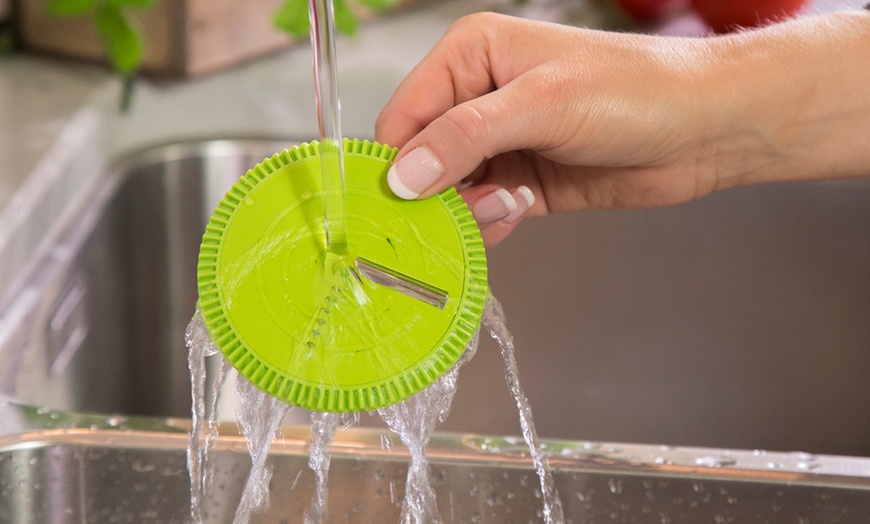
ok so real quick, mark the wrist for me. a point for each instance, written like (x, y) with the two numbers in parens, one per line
(791, 102)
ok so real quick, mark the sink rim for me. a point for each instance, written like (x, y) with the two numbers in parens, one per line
(45, 429)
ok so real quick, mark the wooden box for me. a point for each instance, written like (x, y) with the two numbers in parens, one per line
(182, 37)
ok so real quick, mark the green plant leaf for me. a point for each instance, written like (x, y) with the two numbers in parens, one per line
(136, 4)
(69, 7)
(121, 38)
(378, 5)
(292, 17)
(345, 19)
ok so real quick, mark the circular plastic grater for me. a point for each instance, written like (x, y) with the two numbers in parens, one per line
(340, 333)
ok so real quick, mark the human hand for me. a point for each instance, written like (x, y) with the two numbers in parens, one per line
(540, 118)
(546, 118)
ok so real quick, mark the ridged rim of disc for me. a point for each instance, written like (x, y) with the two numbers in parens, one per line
(322, 397)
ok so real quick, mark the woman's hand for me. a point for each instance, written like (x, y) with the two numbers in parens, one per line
(537, 118)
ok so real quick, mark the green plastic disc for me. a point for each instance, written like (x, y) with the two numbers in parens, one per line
(350, 332)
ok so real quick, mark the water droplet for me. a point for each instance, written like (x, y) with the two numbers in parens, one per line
(715, 461)
(142, 466)
(615, 486)
(249, 201)
(305, 195)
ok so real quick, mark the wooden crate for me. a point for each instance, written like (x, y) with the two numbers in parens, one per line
(182, 37)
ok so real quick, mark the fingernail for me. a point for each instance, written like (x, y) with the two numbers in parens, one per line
(414, 173)
(524, 198)
(494, 206)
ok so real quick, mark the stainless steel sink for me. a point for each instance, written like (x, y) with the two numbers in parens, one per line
(76, 468)
(105, 332)
(739, 321)
(736, 322)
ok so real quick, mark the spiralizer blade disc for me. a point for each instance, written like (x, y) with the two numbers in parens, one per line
(354, 332)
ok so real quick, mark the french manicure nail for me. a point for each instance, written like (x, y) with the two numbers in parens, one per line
(414, 173)
(524, 199)
(494, 206)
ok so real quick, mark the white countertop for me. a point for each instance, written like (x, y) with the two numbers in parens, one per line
(38, 97)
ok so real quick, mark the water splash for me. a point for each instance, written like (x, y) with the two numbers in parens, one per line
(414, 420)
(260, 418)
(323, 427)
(199, 345)
(494, 319)
(213, 425)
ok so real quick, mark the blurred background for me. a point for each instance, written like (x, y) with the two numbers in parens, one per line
(739, 321)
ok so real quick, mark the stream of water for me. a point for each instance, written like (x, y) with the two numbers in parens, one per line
(414, 420)
(199, 454)
(320, 13)
(260, 415)
(494, 319)
(323, 427)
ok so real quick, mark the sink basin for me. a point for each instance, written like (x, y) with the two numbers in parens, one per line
(738, 321)
(118, 289)
(81, 468)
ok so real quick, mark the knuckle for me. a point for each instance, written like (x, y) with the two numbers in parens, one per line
(475, 22)
(469, 123)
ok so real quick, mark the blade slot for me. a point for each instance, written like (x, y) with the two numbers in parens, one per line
(402, 283)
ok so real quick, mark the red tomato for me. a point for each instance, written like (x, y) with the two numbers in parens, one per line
(651, 10)
(729, 15)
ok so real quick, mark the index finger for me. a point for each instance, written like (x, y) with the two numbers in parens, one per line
(463, 65)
